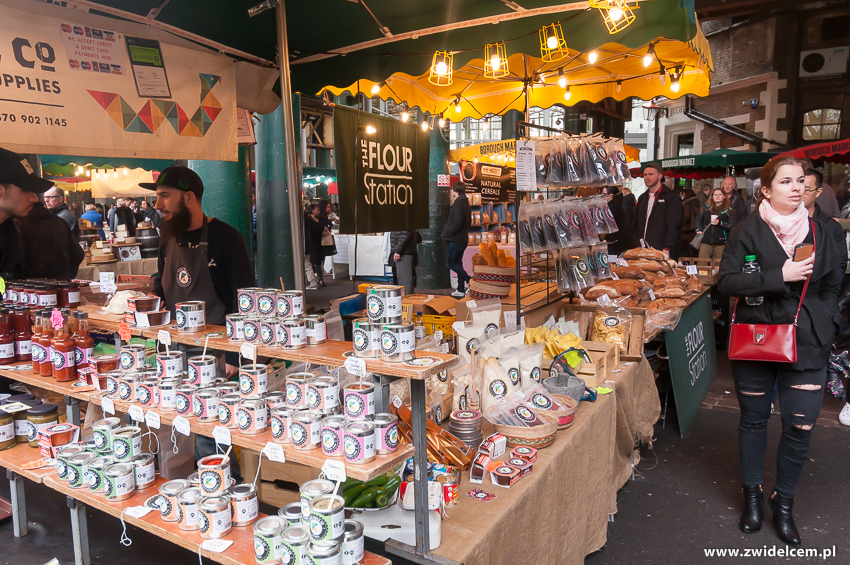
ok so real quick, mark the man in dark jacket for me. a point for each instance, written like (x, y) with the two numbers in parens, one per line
(813, 189)
(456, 234)
(50, 249)
(730, 188)
(658, 220)
(54, 200)
(403, 257)
(123, 216)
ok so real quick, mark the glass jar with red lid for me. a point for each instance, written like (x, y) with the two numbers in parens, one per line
(69, 294)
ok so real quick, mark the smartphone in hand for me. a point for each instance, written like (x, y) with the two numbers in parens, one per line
(803, 251)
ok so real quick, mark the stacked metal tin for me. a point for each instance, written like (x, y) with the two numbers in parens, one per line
(465, 425)
(274, 318)
(397, 340)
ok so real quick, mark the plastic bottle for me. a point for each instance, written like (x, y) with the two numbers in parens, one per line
(750, 266)
(63, 354)
(7, 341)
(83, 343)
(418, 327)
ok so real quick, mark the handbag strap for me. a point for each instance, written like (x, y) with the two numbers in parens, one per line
(805, 286)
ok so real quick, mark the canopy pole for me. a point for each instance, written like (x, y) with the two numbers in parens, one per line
(293, 178)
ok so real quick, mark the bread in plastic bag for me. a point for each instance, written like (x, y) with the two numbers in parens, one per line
(612, 325)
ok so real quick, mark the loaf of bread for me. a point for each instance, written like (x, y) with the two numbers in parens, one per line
(627, 302)
(595, 292)
(670, 292)
(661, 282)
(694, 285)
(665, 305)
(625, 287)
(629, 272)
(665, 267)
(645, 264)
(649, 276)
(644, 253)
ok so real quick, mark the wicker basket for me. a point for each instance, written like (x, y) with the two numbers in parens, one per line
(489, 289)
(494, 274)
(565, 417)
(537, 437)
(565, 385)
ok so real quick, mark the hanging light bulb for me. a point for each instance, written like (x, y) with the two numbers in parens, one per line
(553, 46)
(370, 129)
(475, 159)
(485, 125)
(674, 80)
(115, 173)
(440, 73)
(650, 54)
(619, 86)
(441, 68)
(442, 122)
(96, 174)
(616, 13)
(405, 116)
(457, 104)
(376, 88)
(88, 173)
(592, 57)
(552, 39)
(567, 94)
(126, 171)
(496, 61)
(562, 78)
(79, 170)
(662, 74)
(425, 125)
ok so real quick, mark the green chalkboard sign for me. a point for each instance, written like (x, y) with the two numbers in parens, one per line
(693, 359)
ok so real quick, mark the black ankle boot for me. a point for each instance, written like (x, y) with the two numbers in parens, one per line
(753, 509)
(782, 519)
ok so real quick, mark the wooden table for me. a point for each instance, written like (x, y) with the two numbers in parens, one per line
(14, 460)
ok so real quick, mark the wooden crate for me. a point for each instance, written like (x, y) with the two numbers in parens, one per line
(595, 372)
(583, 315)
(611, 351)
(279, 483)
(707, 268)
(277, 494)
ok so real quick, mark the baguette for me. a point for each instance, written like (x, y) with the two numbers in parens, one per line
(624, 287)
(649, 276)
(670, 292)
(645, 265)
(629, 272)
(644, 253)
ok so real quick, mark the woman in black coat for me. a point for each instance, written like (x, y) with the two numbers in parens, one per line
(714, 223)
(781, 223)
(318, 227)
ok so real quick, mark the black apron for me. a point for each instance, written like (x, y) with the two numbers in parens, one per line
(186, 276)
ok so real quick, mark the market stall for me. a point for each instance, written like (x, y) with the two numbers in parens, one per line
(717, 163)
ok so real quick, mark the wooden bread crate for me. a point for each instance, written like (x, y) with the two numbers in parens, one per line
(707, 268)
(595, 372)
(583, 315)
(611, 351)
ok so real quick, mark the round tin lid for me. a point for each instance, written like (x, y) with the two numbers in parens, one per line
(316, 487)
(384, 418)
(142, 459)
(290, 511)
(189, 495)
(306, 417)
(101, 462)
(69, 450)
(295, 534)
(80, 458)
(325, 549)
(214, 503)
(334, 421)
(111, 422)
(20, 398)
(269, 525)
(353, 530)
(173, 487)
(359, 428)
(243, 490)
(43, 410)
(118, 469)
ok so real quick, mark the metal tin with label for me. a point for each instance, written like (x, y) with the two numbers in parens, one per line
(234, 325)
(102, 430)
(95, 477)
(252, 415)
(253, 379)
(327, 518)
(291, 513)
(358, 442)
(169, 364)
(190, 316)
(266, 303)
(132, 357)
(187, 508)
(77, 469)
(246, 300)
(296, 389)
(126, 443)
(120, 482)
(309, 491)
(325, 553)
(215, 520)
(366, 338)
(149, 392)
(294, 540)
(228, 387)
(205, 404)
(214, 470)
(352, 546)
(289, 303)
(201, 370)
(322, 393)
(332, 435)
(383, 304)
(386, 433)
(358, 401)
(306, 430)
(185, 400)
(168, 394)
(62, 455)
(279, 424)
(244, 504)
(294, 334)
(112, 378)
(251, 329)
(267, 542)
(128, 386)
(317, 329)
(228, 404)
(168, 508)
(398, 343)
(145, 470)
(269, 331)
(276, 399)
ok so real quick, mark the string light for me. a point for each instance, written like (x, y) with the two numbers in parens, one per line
(88, 173)
(80, 170)
(441, 71)
(495, 60)
(425, 125)
(457, 104)
(562, 78)
(619, 86)
(376, 88)
(553, 47)
(567, 94)
(442, 122)
(405, 116)
(662, 74)
(650, 54)
(115, 173)
(592, 57)
(126, 171)
(674, 80)
(370, 129)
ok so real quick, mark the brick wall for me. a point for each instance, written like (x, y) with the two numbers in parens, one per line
(741, 52)
(725, 105)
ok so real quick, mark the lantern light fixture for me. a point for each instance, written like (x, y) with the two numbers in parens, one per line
(441, 72)
(553, 46)
(495, 60)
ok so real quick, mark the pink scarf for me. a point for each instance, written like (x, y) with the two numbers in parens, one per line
(789, 230)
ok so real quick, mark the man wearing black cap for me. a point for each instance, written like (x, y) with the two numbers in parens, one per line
(200, 258)
(19, 187)
(658, 221)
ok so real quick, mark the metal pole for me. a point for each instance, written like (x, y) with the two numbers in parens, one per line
(79, 531)
(19, 505)
(72, 410)
(292, 176)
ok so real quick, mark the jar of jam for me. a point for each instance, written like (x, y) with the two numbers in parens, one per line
(69, 295)
(7, 340)
(45, 367)
(83, 343)
(64, 368)
(38, 418)
(33, 294)
(21, 418)
(22, 324)
(7, 431)
(47, 295)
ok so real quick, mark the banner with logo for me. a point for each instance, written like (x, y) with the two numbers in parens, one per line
(382, 173)
(67, 88)
(495, 182)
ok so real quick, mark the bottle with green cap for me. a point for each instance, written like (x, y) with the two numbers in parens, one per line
(750, 266)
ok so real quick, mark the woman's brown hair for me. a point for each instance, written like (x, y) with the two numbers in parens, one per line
(768, 173)
(713, 207)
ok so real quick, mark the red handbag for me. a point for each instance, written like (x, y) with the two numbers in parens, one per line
(767, 342)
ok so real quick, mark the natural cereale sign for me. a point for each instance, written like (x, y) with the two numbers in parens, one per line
(382, 173)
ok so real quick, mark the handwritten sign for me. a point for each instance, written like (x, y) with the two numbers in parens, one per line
(248, 351)
(221, 435)
(691, 270)
(107, 282)
(137, 511)
(274, 451)
(356, 367)
(136, 413)
(438, 335)
(107, 405)
(334, 470)
(163, 337)
(152, 420)
(181, 424)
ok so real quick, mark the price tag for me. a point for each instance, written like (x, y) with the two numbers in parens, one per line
(221, 435)
(334, 470)
(510, 318)
(164, 337)
(651, 294)
(136, 413)
(248, 351)
(458, 326)
(438, 335)
(471, 304)
(691, 270)
(124, 331)
(444, 348)
(14, 407)
(38, 464)
(604, 300)
(396, 401)
(622, 262)
(107, 282)
(356, 367)
(274, 451)
(107, 405)
(152, 420)
(137, 511)
(614, 276)
(216, 545)
(181, 424)
(612, 259)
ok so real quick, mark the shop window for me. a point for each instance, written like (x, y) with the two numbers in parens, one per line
(823, 123)
(684, 145)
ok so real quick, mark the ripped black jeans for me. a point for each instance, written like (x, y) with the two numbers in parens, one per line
(800, 400)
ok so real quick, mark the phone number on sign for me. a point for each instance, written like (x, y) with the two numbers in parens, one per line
(35, 120)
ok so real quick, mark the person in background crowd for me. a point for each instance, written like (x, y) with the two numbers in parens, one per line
(312, 278)
(54, 200)
(779, 224)
(827, 201)
(690, 213)
(620, 240)
(403, 256)
(704, 193)
(112, 208)
(150, 214)
(326, 219)
(739, 205)
(629, 209)
(133, 205)
(319, 229)
(122, 215)
(842, 196)
(19, 190)
(658, 218)
(714, 223)
(50, 249)
(456, 234)
(99, 208)
(95, 218)
(813, 189)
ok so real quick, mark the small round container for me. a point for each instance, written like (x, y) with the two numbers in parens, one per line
(205, 404)
(201, 370)
(268, 331)
(168, 394)
(295, 334)
(358, 443)
(366, 338)
(62, 455)
(168, 509)
(187, 506)
(215, 520)
(214, 470)
(145, 470)
(132, 357)
(126, 443)
(185, 400)
(89, 446)
(276, 399)
(228, 404)
(293, 544)
(120, 482)
(128, 386)
(352, 546)
(102, 430)
(266, 303)
(253, 379)
(309, 491)
(244, 503)
(246, 300)
(294, 300)
(278, 425)
(383, 304)
(398, 343)
(194, 479)
(327, 518)
(149, 392)
(7, 431)
(234, 325)
(332, 435)
(325, 553)
(322, 394)
(190, 316)
(228, 387)
(251, 329)
(112, 380)
(103, 364)
(95, 477)
(267, 543)
(169, 365)
(20, 418)
(306, 430)
(317, 329)
(291, 513)
(358, 401)
(386, 433)
(252, 416)
(296, 389)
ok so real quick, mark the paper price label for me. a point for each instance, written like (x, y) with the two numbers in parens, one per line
(438, 335)
(614, 276)
(457, 326)
(107, 405)
(248, 351)
(691, 270)
(651, 294)
(356, 367)
(444, 348)
(152, 420)
(163, 337)
(136, 413)
(38, 464)
(222, 435)
(334, 470)
(137, 511)
(14, 407)
(396, 401)
(510, 318)
(216, 545)
(612, 259)
(622, 262)
(604, 300)
(181, 424)
(107, 282)
(274, 451)
(471, 304)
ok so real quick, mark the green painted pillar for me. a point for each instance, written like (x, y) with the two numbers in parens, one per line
(509, 120)
(227, 192)
(432, 272)
(274, 235)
